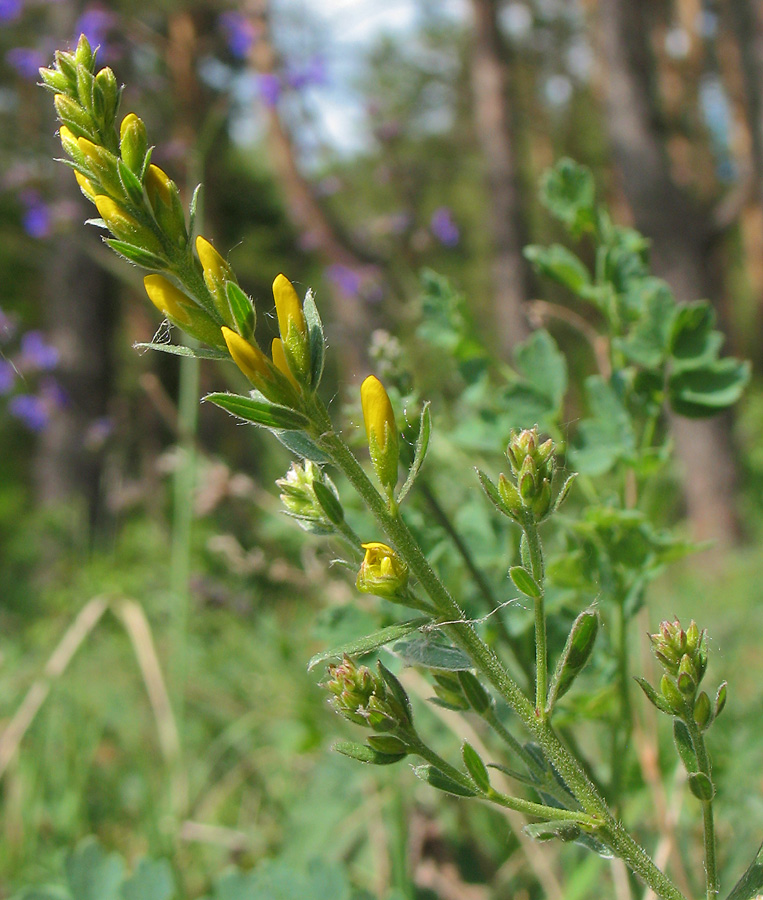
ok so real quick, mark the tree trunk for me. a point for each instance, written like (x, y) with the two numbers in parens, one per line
(680, 234)
(489, 77)
(748, 19)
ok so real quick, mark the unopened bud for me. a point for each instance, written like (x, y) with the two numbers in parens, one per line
(133, 143)
(86, 186)
(84, 55)
(703, 712)
(109, 88)
(293, 327)
(164, 197)
(382, 572)
(217, 273)
(381, 431)
(123, 226)
(687, 676)
(672, 695)
(73, 116)
(309, 496)
(182, 311)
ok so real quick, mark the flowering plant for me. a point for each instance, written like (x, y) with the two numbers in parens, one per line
(656, 355)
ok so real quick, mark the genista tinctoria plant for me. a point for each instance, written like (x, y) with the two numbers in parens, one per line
(657, 355)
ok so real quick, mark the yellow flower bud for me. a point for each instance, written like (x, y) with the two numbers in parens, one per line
(381, 430)
(170, 301)
(121, 223)
(248, 357)
(133, 142)
(160, 186)
(279, 361)
(382, 572)
(86, 186)
(182, 311)
(215, 267)
(288, 307)
(92, 152)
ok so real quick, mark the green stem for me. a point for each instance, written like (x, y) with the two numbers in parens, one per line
(538, 810)
(489, 665)
(703, 763)
(535, 552)
(622, 724)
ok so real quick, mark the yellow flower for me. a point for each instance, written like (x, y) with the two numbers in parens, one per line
(120, 223)
(248, 357)
(381, 430)
(170, 301)
(86, 186)
(288, 308)
(216, 270)
(382, 572)
(160, 186)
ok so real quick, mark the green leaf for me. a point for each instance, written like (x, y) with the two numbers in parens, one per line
(607, 436)
(653, 696)
(697, 393)
(260, 412)
(151, 880)
(693, 340)
(193, 207)
(365, 754)
(369, 642)
(241, 309)
(396, 689)
(751, 883)
(302, 446)
(329, 502)
(492, 494)
(431, 652)
(317, 339)
(567, 191)
(543, 366)
(422, 445)
(133, 187)
(93, 874)
(701, 786)
(576, 653)
(524, 582)
(525, 407)
(475, 767)
(441, 781)
(684, 746)
(44, 892)
(180, 350)
(137, 255)
(648, 342)
(559, 264)
(478, 698)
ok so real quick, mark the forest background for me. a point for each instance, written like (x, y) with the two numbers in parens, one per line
(156, 610)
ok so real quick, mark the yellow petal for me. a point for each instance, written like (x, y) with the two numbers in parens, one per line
(248, 357)
(279, 361)
(167, 298)
(159, 184)
(87, 187)
(288, 307)
(213, 264)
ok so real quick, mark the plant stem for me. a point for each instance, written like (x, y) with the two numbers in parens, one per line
(535, 552)
(703, 763)
(489, 665)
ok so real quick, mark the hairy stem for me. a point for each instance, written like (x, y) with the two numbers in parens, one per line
(535, 553)
(703, 763)
(488, 664)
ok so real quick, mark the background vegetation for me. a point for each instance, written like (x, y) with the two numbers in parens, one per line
(157, 611)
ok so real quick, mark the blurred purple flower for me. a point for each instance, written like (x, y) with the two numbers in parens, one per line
(25, 60)
(37, 219)
(31, 410)
(444, 228)
(95, 23)
(36, 353)
(269, 86)
(239, 33)
(345, 279)
(309, 74)
(53, 394)
(10, 10)
(7, 376)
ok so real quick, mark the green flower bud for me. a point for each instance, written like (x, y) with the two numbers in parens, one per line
(84, 55)
(687, 676)
(682, 654)
(672, 695)
(307, 495)
(106, 83)
(375, 701)
(703, 714)
(382, 572)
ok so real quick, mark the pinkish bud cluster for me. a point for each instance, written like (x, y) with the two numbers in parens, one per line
(376, 701)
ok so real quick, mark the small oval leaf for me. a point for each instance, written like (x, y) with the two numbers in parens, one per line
(524, 582)
(441, 781)
(475, 767)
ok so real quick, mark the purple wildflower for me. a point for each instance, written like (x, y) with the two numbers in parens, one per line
(7, 376)
(36, 353)
(25, 60)
(239, 33)
(10, 10)
(308, 74)
(269, 85)
(37, 220)
(31, 410)
(444, 228)
(348, 281)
